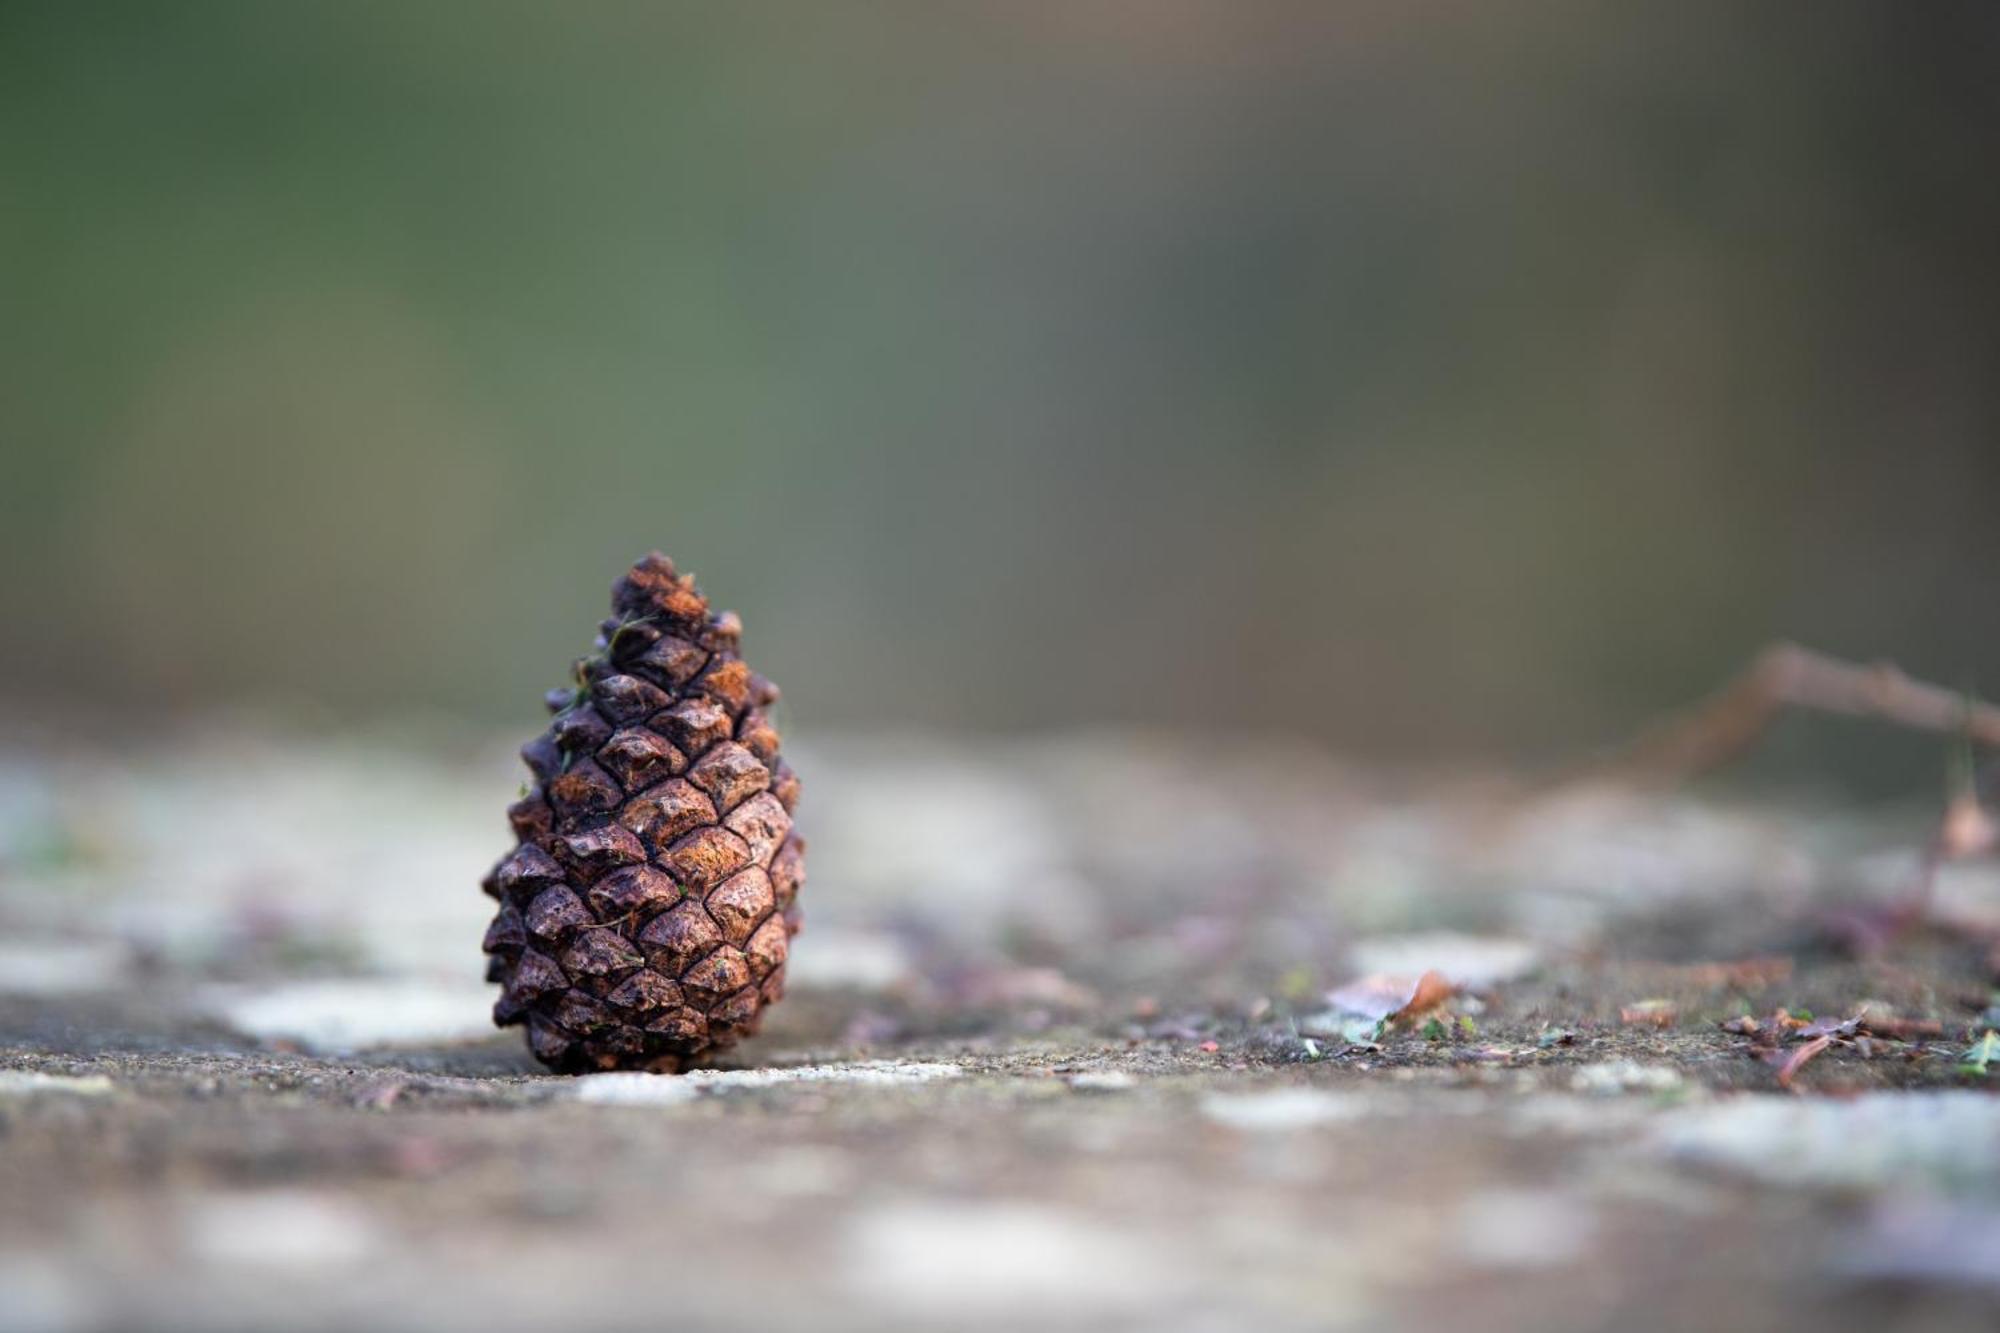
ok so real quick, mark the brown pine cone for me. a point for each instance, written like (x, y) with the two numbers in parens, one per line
(646, 912)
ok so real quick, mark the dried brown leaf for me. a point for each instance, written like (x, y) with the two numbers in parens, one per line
(1841, 1028)
(1902, 1029)
(1783, 1021)
(1650, 1014)
(1392, 999)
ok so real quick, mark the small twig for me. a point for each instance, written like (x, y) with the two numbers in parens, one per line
(1784, 676)
(1797, 1061)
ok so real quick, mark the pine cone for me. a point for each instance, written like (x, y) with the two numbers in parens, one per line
(646, 912)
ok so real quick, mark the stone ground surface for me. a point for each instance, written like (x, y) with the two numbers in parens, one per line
(1073, 1040)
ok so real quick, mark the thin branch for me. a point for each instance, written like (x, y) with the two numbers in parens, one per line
(1785, 676)
(1798, 1059)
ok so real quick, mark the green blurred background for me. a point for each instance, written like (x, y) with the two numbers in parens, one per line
(1421, 378)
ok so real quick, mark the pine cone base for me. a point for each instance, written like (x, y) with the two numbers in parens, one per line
(647, 908)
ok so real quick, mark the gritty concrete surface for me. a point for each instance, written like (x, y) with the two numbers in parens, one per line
(1079, 1037)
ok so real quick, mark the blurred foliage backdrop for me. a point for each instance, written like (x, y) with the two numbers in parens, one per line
(1420, 377)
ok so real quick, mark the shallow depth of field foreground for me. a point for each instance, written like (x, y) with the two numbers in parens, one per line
(1097, 1032)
